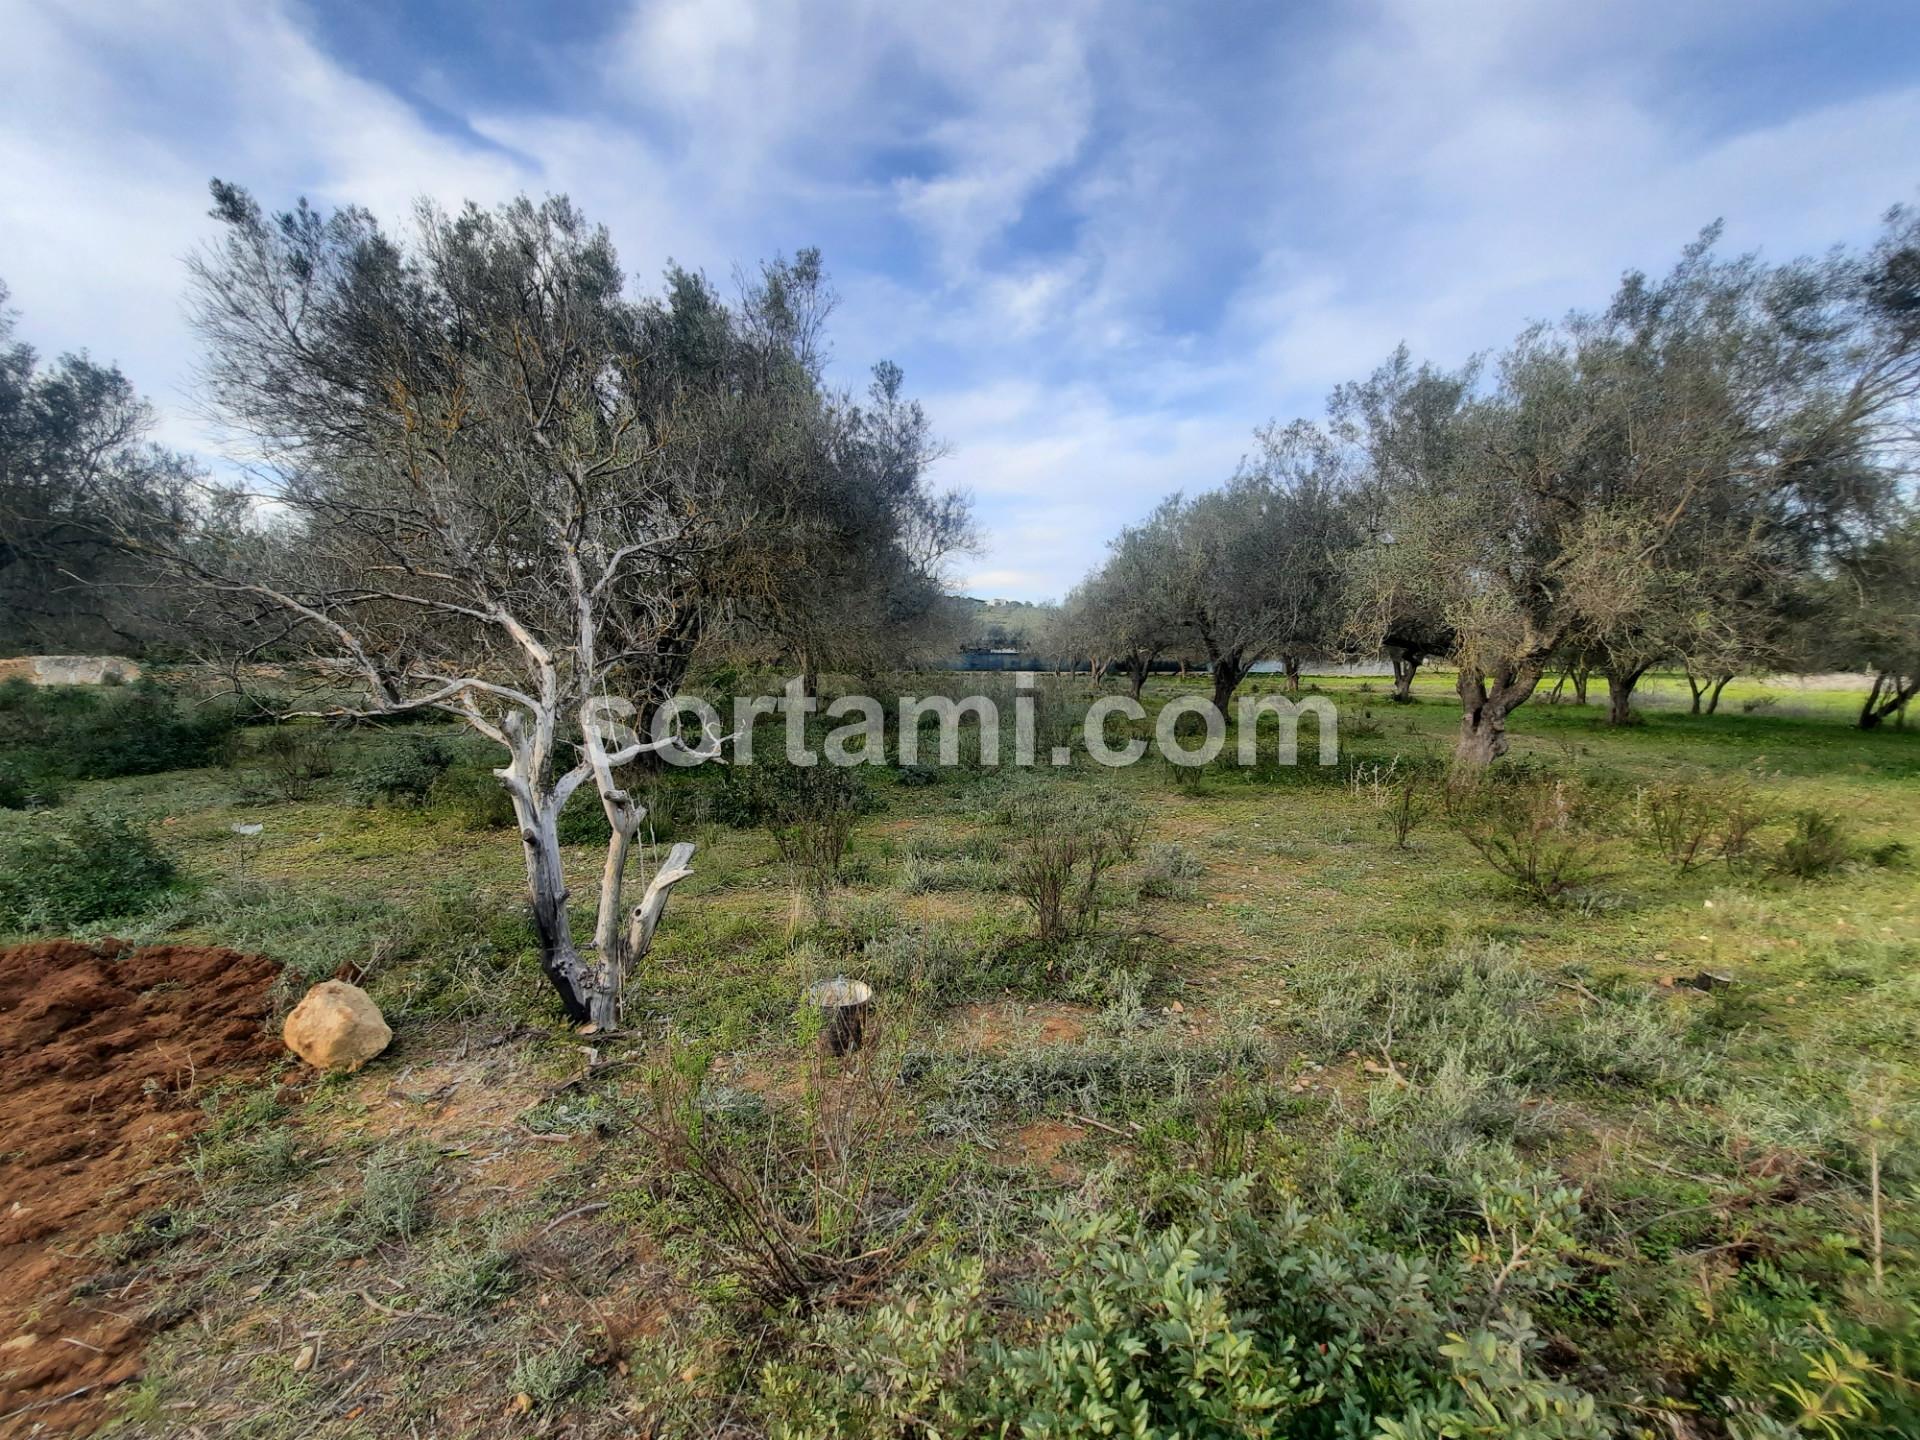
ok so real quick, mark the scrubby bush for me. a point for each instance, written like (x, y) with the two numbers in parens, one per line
(22, 790)
(293, 758)
(1233, 1317)
(1817, 846)
(1065, 842)
(809, 810)
(1538, 835)
(1169, 872)
(1501, 1012)
(402, 772)
(76, 871)
(474, 798)
(792, 1211)
(1689, 822)
(95, 733)
(930, 862)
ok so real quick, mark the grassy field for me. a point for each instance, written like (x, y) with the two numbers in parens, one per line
(1304, 1128)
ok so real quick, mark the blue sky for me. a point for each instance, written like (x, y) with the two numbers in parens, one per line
(1105, 240)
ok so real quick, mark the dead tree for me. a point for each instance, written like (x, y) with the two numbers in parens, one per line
(500, 491)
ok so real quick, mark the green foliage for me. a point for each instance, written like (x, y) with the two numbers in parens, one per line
(293, 758)
(1131, 1072)
(555, 1373)
(1233, 1317)
(474, 799)
(21, 789)
(789, 1211)
(96, 733)
(1537, 834)
(1815, 848)
(394, 1189)
(809, 810)
(1169, 872)
(1691, 822)
(931, 862)
(56, 874)
(401, 772)
(1065, 841)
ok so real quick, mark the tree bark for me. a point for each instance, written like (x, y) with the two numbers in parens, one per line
(1484, 710)
(1290, 664)
(1228, 671)
(1136, 676)
(1620, 683)
(547, 891)
(1888, 696)
(1580, 673)
(1713, 700)
(1698, 688)
(1404, 667)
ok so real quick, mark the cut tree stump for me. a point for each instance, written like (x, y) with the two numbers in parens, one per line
(843, 1008)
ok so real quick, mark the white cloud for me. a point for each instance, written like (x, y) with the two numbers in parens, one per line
(1106, 239)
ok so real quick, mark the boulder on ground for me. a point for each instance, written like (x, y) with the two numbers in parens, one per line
(336, 1027)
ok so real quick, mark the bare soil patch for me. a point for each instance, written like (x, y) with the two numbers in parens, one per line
(108, 1051)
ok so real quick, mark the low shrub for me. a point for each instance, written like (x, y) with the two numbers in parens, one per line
(1538, 835)
(1815, 848)
(1690, 822)
(930, 863)
(293, 758)
(809, 810)
(1169, 872)
(1065, 842)
(474, 799)
(21, 789)
(402, 772)
(791, 1211)
(59, 874)
(97, 733)
(1229, 1318)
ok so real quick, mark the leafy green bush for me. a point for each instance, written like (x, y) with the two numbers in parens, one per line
(1232, 1318)
(75, 871)
(22, 790)
(1816, 847)
(809, 810)
(401, 773)
(93, 733)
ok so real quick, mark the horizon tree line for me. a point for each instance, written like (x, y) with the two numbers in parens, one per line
(1713, 472)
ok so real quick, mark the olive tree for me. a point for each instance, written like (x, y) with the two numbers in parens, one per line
(1127, 604)
(1604, 494)
(505, 492)
(1871, 617)
(76, 471)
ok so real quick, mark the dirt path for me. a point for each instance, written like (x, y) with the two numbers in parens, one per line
(104, 1055)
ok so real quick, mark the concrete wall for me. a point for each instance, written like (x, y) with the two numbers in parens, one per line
(69, 669)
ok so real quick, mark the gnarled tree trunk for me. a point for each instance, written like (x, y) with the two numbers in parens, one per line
(1484, 709)
(1889, 695)
(1713, 700)
(1404, 667)
(1620, 683)
(1290, 666)
(1228, 671)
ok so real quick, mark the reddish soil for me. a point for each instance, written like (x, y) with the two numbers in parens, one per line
(107, 1052)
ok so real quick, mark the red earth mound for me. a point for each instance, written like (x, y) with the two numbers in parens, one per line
(104, 1055)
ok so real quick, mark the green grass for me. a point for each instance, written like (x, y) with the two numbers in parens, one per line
(1335, 1035)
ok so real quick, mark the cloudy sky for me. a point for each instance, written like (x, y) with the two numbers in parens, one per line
(1105, 240)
